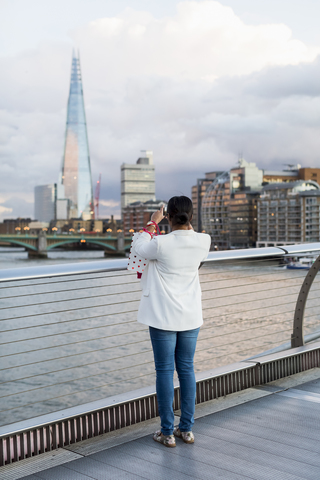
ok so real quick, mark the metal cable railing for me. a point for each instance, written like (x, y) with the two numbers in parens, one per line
(69, 340)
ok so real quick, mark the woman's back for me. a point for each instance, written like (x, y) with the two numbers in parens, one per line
(171, 297)
(180, 254)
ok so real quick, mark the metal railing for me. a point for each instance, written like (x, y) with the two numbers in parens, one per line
(69, 334)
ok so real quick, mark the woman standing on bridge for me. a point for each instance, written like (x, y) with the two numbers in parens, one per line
(171, 306)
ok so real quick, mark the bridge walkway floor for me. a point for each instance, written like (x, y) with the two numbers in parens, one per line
(263, 433)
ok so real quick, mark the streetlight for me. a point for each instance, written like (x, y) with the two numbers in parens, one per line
(54, 229)
(71, 230)
(26, 230)
(44, 229)
(18, 229)
(131, 230)
(119, 230)
(109, 230)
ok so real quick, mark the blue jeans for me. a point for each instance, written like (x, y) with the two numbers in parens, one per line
(178, 348)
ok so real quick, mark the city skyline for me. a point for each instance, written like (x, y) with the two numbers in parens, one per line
(162, 77)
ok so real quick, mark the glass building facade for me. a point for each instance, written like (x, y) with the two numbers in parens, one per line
(288, 213)
(76, 170)
(44, 202)
(229, 207)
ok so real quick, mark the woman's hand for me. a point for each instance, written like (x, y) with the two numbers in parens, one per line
(158, 215)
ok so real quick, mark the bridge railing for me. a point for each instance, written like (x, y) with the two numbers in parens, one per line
(69, 334)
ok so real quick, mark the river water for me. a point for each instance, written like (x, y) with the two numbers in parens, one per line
(71, 340)
(18, 257)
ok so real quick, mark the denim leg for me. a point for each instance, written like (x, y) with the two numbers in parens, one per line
(185, 349)
(163, 344)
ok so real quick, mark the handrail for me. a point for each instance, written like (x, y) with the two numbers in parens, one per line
(15, 274)
(28, 273)
(297, 337)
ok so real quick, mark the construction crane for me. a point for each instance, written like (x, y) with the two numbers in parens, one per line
(96, 197)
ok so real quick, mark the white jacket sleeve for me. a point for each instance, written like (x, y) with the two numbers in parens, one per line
(146, 246)
(208, 240)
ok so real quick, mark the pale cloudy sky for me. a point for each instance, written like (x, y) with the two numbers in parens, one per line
(195, 81)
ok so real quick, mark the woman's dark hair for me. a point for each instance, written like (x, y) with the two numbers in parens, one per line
(180, 210)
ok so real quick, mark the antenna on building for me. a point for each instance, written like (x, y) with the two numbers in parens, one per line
(292, 167)
(240, 158)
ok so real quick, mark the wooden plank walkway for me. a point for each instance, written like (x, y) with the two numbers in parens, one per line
(270, 433)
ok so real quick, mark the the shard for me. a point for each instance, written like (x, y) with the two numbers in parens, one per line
(76, 169)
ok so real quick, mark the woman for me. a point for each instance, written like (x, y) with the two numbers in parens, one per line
(171, 306)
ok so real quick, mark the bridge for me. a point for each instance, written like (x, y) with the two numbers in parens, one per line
(39, 245)
(78, 399)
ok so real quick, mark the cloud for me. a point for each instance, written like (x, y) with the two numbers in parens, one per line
(203, 40)
(14, 206)
(108, 208)
(4, 210)
(197, 88)
(109, 203)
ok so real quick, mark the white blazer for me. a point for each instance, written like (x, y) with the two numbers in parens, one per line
(171, 293)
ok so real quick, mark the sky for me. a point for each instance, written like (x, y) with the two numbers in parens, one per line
(197, 82)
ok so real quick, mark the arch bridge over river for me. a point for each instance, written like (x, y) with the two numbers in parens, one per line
(40, 245)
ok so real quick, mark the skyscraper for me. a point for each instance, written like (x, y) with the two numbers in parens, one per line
(44, 202)
(138, 180)
(76, 170)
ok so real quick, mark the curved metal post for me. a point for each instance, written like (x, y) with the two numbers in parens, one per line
(297, 337)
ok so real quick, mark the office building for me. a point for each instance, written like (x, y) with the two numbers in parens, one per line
(45, 202)
(62, 208)
(288, 213)
(138, 181)
(228, 207)
(76, 170)
(197, 193)
(228, 204)
(14, 225)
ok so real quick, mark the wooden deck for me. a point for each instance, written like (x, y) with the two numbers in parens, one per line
(263, 433)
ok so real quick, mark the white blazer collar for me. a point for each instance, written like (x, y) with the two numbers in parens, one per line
(183, 232)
